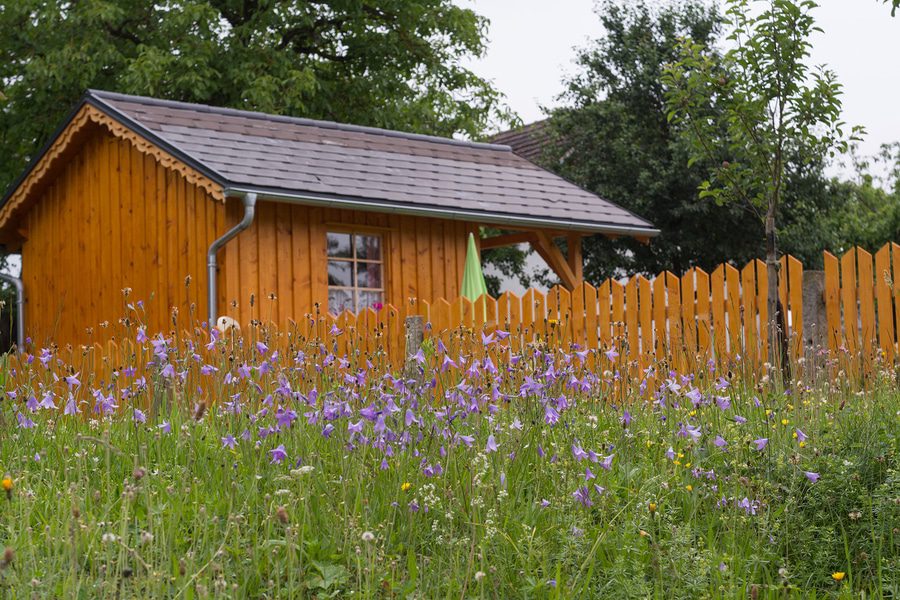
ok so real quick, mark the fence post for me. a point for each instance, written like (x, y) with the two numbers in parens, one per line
(414, 334)
(815, 321)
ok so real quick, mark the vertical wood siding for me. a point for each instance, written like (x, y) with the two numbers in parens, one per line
(113, 218)
(282, 256)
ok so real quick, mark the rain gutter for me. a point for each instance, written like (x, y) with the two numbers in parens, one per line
(445, 213)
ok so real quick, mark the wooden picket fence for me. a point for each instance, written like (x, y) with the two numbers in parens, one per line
(679, 323)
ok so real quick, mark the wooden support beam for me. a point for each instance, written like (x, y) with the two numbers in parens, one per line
(554, 257)
(574, 256)
(509, 239)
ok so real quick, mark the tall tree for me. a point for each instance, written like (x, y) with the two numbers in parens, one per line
(753, 110)
(613, 138)
(387, 63)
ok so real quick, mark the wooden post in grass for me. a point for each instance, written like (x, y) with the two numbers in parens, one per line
(414, 329)
(815, 322)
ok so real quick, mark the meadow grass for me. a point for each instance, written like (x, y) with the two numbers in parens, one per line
(502, 474)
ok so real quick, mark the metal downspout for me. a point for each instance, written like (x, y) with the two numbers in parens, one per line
(20, 309)
(249, 200)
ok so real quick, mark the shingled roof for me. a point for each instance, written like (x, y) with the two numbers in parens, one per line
(365, 168)
(528, 141)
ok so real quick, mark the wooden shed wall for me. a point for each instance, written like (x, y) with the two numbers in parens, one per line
(283, 253)
(114, 218)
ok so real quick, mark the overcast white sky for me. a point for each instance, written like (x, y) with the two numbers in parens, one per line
(531, 46)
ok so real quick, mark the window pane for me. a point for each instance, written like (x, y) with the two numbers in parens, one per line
(340, 300)
(370, 300)
(339, 273)
(339, 245)
(368, 247)
(368, 275)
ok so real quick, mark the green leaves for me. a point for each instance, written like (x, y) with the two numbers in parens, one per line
(391, 63)
(617, 136)
(760, 102)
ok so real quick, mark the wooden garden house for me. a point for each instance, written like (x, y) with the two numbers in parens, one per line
(205, 211)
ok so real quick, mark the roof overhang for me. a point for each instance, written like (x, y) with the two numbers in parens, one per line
(480, 217)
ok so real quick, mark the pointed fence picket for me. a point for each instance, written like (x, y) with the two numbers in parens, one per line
(627, 326)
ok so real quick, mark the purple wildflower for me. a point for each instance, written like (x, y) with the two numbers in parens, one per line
(229, 442)
(278, 455)
(813, 477)
(491, 445)
(208, 370)
(748, 506)
(71, 407)
(139, 416)
(761, 443)
(720, 442)
(694, 396)
(583, 495)
(578, 452)
(551, 416)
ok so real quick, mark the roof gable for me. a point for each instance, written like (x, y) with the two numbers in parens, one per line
(65, 143)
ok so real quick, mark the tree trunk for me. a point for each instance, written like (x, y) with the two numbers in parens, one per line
(777, 321)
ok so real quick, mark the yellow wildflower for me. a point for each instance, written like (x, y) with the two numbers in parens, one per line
(652, 507)
(689, 487)
(406, 486)
(784, 421)
(838, 576)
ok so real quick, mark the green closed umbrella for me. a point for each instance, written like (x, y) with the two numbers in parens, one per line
(473, 286)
